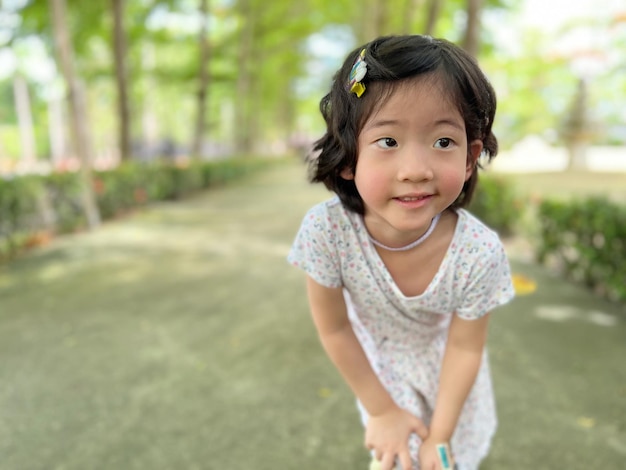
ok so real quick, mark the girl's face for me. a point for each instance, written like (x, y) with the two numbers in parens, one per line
(413, 160)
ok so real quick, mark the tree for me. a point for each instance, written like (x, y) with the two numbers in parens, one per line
(375, 19)
(25, 119)
(121, 76)
(244, 93)
(434, 10)
(576, 133)
(252, 61)
(471, 39)
(411, 7)
(78, 115)
(203, 79)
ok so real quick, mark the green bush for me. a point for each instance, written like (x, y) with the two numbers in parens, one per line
(51, 204)
(184, 180)
(496, 203)
(120, 190)
(63, 191)
(18, 208)
(586, 239)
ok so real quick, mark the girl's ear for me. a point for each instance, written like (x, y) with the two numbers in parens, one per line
(347, 174)
(474, 151)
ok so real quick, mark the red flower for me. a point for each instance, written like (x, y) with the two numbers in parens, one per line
(98, 186)
(140, 195)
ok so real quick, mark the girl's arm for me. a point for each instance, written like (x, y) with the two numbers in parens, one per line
(389, 426)
(461, 362)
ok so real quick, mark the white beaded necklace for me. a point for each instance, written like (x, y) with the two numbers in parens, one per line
(419, 241)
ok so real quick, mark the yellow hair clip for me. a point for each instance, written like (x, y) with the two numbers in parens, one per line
(359, 69)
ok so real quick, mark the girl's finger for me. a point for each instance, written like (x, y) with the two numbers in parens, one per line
(405, 461)
(420, 429)
(386, 463)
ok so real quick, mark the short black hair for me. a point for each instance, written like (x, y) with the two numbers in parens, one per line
(391, 61)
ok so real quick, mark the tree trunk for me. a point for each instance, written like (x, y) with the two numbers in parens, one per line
(471, 40)
(78, 116)
(382, 18)
(373, 20)
(577, 133)
(203, 80)
(434, 10)
(577, 152)
(121, 76)
(149, 120)
(56, 130)
(410, 8)
(243, 137)
(25, 121)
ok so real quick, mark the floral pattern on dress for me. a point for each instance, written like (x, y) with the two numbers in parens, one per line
(404, 337)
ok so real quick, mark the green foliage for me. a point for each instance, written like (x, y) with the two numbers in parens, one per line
(496, 203)
(587, 241)
(9, 141)
(8, 113)
(18, 201)
(120, 189)
(64, 194)
(520, 112)
(35, 205)
(534, 85)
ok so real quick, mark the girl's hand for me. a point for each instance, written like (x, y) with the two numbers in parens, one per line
(429, 457)
(387, 434)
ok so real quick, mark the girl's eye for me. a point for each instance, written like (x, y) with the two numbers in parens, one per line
(387, 142)
(444, 143)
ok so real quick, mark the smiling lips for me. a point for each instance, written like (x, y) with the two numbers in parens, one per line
(413, 200)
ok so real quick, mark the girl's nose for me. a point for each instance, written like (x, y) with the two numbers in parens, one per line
(414, 165)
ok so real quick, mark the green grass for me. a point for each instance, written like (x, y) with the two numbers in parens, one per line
(180, 339)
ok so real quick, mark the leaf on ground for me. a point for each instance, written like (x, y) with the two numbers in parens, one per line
(324, 392)
(585, 422)
(523, 285)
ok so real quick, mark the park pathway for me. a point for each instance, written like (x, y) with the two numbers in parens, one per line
(179, 338)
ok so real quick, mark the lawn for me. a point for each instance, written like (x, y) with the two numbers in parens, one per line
(180, 338)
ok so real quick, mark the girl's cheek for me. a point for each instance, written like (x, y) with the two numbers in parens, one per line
(372, 186)
(453, 180)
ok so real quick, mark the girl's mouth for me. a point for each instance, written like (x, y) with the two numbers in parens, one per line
(413, 201)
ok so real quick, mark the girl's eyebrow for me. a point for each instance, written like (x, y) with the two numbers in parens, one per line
(382, 123)
(439, 122)
(449, 122)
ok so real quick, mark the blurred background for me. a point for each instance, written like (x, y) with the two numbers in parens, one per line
(218, 77)
(148, 318)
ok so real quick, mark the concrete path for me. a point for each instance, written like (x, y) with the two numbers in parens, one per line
(179, 338)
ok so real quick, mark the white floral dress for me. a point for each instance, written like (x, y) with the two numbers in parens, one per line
(404, 337)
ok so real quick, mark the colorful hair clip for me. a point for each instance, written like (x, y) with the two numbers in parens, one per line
(359, 69)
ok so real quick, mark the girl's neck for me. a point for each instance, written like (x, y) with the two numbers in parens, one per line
(413, 244)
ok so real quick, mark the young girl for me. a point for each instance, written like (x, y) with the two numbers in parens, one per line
(400, 278)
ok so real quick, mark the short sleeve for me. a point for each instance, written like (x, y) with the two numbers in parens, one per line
(315, 248)
(490, 284)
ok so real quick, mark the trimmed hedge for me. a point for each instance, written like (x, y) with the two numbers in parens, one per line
(496, 203)
(586, 239)
(32, 208)
(18, 203)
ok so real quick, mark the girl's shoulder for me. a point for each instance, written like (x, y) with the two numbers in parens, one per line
(472, 235)
(471, 227)
(327, 207)
(321, 240)
(329, 214)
